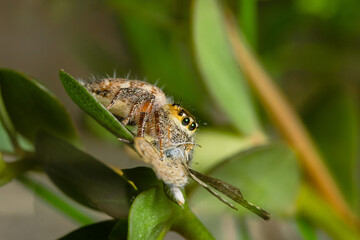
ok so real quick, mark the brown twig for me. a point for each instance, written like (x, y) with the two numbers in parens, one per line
(288, 124)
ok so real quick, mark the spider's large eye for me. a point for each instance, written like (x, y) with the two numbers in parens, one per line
(185, 121)
(192, 126)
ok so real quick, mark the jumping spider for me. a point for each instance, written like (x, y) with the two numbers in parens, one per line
(164, 136)
(145, 106)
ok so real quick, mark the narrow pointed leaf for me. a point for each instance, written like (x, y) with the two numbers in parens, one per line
(119, 231)
(220, 72)
(152, 31)
(96, 231)
(82, 177)
(31, 107)
(92, 107)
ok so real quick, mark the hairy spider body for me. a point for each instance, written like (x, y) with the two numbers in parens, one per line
(164, 136)
(166, 125)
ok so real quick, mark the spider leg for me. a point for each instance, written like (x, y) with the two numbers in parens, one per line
(145, 110)
(159, 134)
(188, 149)
(131, 114)
(116, 97)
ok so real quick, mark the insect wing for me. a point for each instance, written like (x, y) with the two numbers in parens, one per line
(229, 191)
(147, 152)
(204, 185)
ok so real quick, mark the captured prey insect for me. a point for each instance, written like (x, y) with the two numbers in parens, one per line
(174, 157)
(164, 135)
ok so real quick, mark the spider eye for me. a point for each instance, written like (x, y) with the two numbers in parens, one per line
(192, 126)
(181, 113)
(185, 121)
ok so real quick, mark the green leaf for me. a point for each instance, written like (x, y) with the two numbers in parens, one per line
(307, 231)
(92, 107)
(151, 30)
(218, 66)
(96, 231)
(143, 177)
(248, 20)
(31, 107)
(82, 177)
(5, 142)
(158, 211)
(98, 130)
(320, 8)
(268, 177)
(212, 140)
(56, 201)
(151, 215)
(334, 123)
(119, 231)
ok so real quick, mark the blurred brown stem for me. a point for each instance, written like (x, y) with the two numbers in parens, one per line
(288, 124)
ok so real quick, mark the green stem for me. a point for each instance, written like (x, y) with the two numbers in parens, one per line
(56, 201)
(190, 227)
(9, 171)
(248, 21)
(306, 230)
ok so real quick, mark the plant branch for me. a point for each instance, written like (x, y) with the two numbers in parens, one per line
(11, 170)
(288, 124)
(190, 227)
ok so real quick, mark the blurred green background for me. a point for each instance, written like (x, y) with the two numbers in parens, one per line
(310, 48)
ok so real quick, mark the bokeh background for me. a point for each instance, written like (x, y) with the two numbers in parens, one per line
(310, 49)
